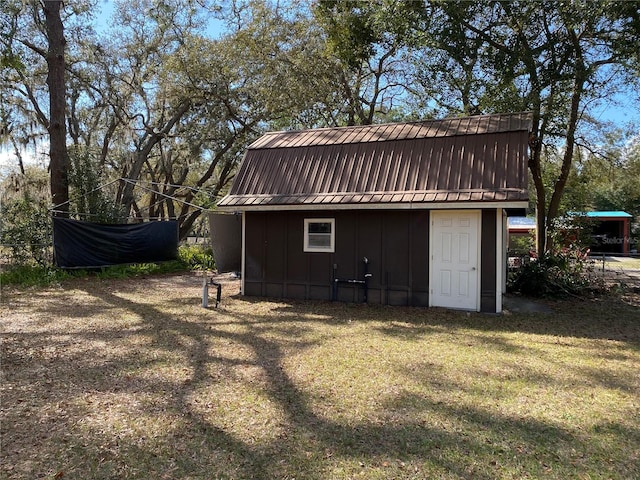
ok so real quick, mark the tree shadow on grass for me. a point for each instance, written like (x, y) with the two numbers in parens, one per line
(62, 385)
(609, 318)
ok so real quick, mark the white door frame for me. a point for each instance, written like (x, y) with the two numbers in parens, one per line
(432, 230)
(502, 241)
(244, 252)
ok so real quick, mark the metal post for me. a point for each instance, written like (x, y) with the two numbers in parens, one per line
(205, 293)
(367, 275)
(218, 292)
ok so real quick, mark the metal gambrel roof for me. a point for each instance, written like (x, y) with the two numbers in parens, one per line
(461, 160)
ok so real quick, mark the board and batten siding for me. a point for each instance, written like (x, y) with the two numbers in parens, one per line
(396, 244)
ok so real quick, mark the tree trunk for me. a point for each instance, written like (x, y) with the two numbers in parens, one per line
(535, 168)
(567, 159)
(59, 157)
(538, 129)
(572, 124)
(141, 155)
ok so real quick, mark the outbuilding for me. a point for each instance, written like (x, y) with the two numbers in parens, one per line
(611, 231)
(401, 214)
(521, 234)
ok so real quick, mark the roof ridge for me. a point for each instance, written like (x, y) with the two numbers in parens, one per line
(412, 122)
(387, 124)
(447, 127)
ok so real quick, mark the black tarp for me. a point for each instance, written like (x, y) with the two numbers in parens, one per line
(88, 245)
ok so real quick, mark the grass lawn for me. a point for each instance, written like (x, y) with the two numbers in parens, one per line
(621, 263)
(106, 379)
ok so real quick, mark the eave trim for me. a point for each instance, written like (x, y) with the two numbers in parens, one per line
(375, 206)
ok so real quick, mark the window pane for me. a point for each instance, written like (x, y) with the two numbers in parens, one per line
(320, 240)
(319, 227)
(319, 234)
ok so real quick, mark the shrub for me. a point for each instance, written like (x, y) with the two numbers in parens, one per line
(88, 199)
(189, 258)
(25, 225)
(564, 272)
(196, 257)
(32, 276)
(25, 230)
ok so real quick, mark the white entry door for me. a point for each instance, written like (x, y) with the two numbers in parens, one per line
(454, 273)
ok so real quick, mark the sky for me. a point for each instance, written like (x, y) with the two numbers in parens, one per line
(621, 111)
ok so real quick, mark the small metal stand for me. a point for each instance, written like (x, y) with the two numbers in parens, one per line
(205, 292)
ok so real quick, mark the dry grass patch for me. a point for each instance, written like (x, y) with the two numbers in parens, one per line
(133, 379)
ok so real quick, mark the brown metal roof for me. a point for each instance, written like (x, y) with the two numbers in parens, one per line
(472, 159)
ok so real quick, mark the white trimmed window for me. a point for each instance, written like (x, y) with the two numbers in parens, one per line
(319, 234)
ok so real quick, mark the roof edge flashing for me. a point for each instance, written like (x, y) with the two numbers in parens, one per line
(516, 204)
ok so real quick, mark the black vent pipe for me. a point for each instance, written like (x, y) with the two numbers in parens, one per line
(364, 282)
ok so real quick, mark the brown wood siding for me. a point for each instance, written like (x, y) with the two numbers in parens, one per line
(419, 254)
(254, 251)
(396, 258)
(395, 243)
(370, 244)
(488, 245)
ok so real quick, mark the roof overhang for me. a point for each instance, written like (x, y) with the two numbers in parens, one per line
(377, 206)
